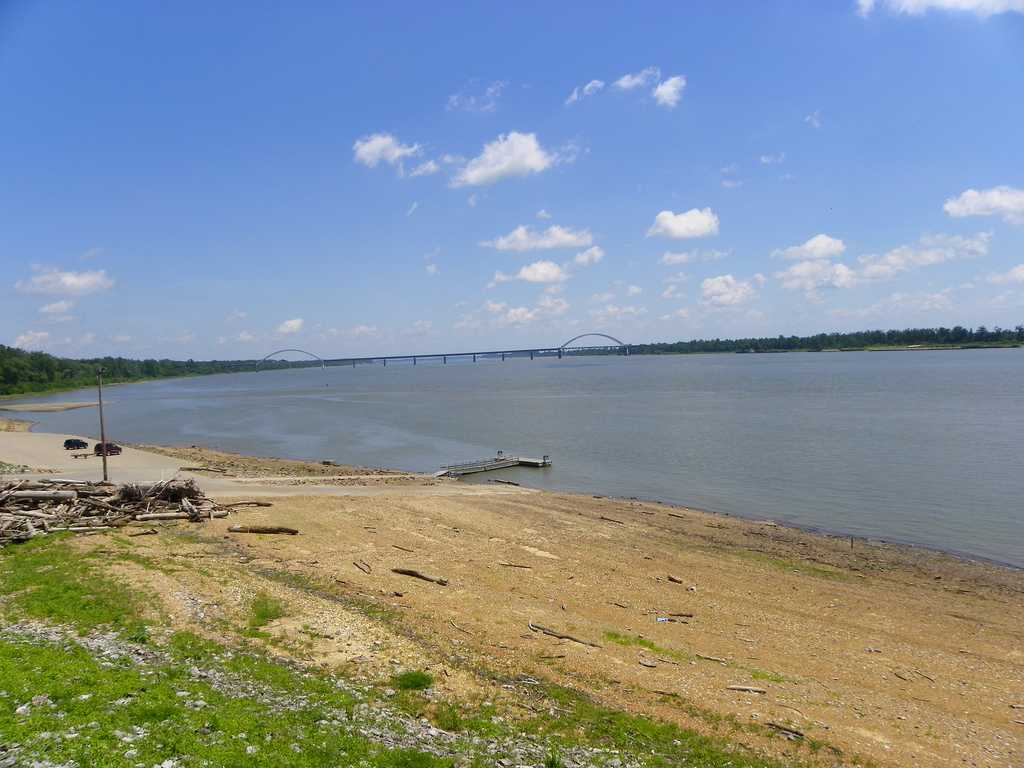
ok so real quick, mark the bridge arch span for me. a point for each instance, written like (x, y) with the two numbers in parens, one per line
(602, 335)
(323, 363)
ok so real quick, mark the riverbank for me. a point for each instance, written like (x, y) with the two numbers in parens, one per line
(850, 651)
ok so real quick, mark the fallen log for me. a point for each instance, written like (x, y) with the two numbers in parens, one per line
(745, 689)
(248, 504)
(418, 575)
(559, 635)
(44, 495)
(271, 529)
(146, 532)
(785, 729)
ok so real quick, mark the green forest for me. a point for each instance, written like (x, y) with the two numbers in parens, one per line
(24, 372)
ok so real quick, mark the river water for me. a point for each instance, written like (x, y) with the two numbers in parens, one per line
(915, 447)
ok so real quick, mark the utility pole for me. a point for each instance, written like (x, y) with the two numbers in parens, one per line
(103, 431)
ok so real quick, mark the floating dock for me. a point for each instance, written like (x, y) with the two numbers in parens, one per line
(500, 461)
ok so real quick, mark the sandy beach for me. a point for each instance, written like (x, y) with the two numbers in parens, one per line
(871, 653)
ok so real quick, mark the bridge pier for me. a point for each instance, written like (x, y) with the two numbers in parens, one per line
(385, 362)
(444, 358)
(531, 354)
(414, 361)
(503, 357)
(474, 357)
(559, 354)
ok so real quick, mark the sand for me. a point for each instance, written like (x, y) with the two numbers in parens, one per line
(44, 407)
(890, 654)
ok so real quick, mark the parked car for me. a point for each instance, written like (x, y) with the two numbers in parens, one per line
(74, 444)
(112, 450)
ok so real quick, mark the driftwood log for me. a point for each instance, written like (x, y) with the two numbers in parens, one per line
(559, 635)
(262, 529)
(420, 575)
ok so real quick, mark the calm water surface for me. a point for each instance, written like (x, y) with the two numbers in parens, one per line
(916, 447)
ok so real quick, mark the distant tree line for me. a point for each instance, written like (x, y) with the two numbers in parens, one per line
(957, 336)
(23, 372)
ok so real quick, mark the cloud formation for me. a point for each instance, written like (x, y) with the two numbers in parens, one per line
(579, 93)
(982, 8)
(538, 272)
(680, 226)
(379, 148)
(668, 92)
(818, 247)
(523, 238)
(638, 80)
(590, 256)
(32, 340)
(726, 291)
(511, 155)
(1004, 201)
(1015, 275)
(58, 282)
(291, 326)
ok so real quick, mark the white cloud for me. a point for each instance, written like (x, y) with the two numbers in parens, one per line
(1015, 275)
(590, 256)
(55, 281)
(818, 247)
(932, 249)
(672, 292)
(726, 291)
(691, 257)
(732, 183)
(982, 8)
(638, 80)
(668, 92)
(602, 298)
(1004, 201)
(810, 276)
(905, 302)
(693, 223)
(634, 290)
(471, 201)
(87, 338)
(814, 119)
(510, 155)
(553, 305)
(235, 315)
(542, 214)
(121, 338)
(363, 331)
(185, 337)
(485, 102)
(433, 269)
(682, 314)
(426, 169)
(578, 93)
(522, 238)
(245, 337)
(412, 209)
(32, 340)
(291, 326)
(773, 159)
(537, 272)
(619, 313)
(57, 308)
(383, 148)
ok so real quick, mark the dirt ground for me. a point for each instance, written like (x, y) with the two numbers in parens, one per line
(14, 425)
(872, 653)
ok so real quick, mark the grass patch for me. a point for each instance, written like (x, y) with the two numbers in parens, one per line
(414, 680)
(640, 642)
(784, 564)
(49, 580)
(768, 677)
(448, 717)
(264, 609)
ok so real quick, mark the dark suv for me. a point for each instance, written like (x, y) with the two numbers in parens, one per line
(112, 450)
(74, 444)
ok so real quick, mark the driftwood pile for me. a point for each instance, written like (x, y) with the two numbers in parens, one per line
(30, 508)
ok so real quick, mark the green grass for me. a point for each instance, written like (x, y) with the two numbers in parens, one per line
(264, 609)
(785, 564)
(414, 680)
(768, 677)
(639, 642)
(49, 580)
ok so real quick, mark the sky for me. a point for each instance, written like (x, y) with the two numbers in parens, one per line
(221, 180)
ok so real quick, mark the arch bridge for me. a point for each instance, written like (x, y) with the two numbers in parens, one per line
(559, 352)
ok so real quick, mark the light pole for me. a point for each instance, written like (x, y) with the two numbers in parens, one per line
(103, 431)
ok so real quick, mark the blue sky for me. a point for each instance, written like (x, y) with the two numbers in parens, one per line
(216, 180)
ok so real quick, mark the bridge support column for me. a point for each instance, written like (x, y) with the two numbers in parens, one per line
(385, 362)
(353, 362)
(445, 359)
(474, 358)
(531, 354)
(503, 357)
(414, 361)
(559, 354)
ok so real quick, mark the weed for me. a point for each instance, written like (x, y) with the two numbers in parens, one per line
(448, 717)
(264, 609)
(414, 680)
